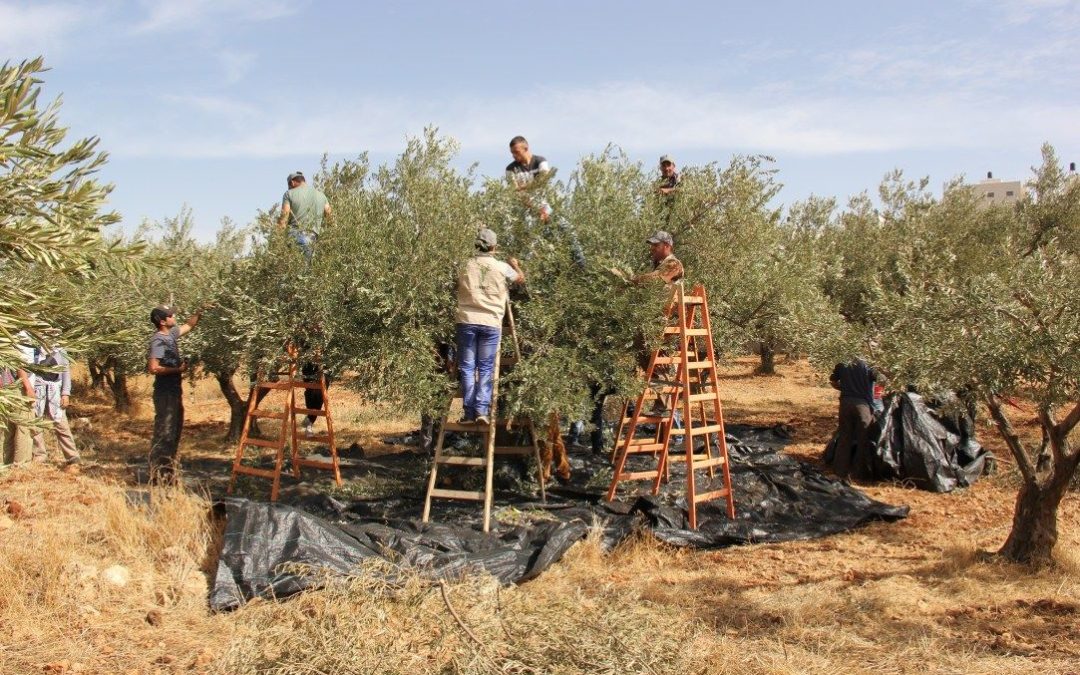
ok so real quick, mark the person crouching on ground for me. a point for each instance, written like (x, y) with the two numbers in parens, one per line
(482, 293)
(164, 362)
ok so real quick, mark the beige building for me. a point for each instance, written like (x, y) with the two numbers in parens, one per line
(997, 191)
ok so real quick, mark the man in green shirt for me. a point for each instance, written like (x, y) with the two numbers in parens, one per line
(303, 209)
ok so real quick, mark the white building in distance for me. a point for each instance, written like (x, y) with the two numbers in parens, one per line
(997, 191)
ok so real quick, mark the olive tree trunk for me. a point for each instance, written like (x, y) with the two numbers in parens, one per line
(767, 350)
(237, 405)
(1034, 529)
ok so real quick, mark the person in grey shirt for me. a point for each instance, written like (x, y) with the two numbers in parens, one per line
(303, 209)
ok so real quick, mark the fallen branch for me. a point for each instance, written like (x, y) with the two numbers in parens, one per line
(453, 613)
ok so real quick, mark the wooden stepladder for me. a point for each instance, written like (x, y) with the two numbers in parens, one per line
(487, 432)
(693, 390)
(286, 381)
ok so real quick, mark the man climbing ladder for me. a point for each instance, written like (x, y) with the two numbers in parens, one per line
(483, 305)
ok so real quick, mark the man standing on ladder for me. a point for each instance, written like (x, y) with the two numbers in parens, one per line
(482, 293)
(303, 209)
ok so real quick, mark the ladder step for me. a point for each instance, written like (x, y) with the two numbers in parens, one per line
(681, 457)
(316, 463)
(508, 450)
(273, 385)
(457, 494)
(315, 412)
(712, 428)
(458, 426)
(693, 300)
(306, 385)
(708, 463)
(263, 443)
(645, 445)
(646, 419)
(638, 475)
(699, 365)
(706, 496)
(267, 415)
(675, 330)
(313, 439)
(252, 471)
(658, 392)
(707, 396)
(462, 461)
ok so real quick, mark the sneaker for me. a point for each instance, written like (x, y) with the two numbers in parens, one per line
(466, 420)
(308, 428)
(482, 420)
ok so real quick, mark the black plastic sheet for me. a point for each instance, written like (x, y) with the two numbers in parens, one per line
(271, 550)
(921, 445)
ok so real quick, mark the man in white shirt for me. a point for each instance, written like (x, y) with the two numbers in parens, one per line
(482, 293)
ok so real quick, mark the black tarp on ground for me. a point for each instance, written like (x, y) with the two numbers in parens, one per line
(918, 444)
(777, 499)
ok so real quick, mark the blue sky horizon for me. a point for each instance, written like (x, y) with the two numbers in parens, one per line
(211, 104)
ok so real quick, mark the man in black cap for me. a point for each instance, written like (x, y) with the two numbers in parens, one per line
(666, 267)
(164, 362)
(303, 209)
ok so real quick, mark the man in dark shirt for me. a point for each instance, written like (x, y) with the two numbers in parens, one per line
(164, 362)
(669, 176)
(855, 381)
(525, 170)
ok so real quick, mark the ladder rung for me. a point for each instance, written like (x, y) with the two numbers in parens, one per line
(712, 428)
(675, 330)
(638, 475)
(312, 439)
(645, 445)
(699, 365)
(316, 412)
(456, 494)
(317, 463)
(693, 300)
(657, 392)
(706, 496)
(454, 460)
(707, 396)
(298, 384)
(665, 360)
(681, 457)
(268, 415)
(646, 419)
(273, 385)
(457, 426)
(514, 450)
(263, 443)
(708, 463)
(252, 471)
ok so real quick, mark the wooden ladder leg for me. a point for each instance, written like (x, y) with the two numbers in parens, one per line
(624, 451)
(531, 429)
(288, 430)
(330, 428)
(252, 406)
(619, 431)
(435, 467)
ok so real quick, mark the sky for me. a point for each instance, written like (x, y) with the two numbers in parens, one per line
(210, 104)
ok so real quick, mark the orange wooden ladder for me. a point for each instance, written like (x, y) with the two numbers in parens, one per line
(288, 432)
(487, 433)
(695, 388)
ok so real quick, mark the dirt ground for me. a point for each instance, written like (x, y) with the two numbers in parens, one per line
(890, 597)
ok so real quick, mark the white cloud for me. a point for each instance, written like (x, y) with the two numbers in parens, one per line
(235, 65)
(172, 15)
(32, 29)
(640, 117)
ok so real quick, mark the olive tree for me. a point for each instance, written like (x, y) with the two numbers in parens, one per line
(52, 219)
(984, 300)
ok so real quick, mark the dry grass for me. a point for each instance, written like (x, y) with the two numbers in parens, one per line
(891, 598)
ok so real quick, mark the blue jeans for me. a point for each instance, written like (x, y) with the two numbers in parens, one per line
(305, 240)
(476, 349)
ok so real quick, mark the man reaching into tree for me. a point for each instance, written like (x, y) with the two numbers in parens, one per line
(167, 366)
(482, 293)
(855, 381)
(303, 209)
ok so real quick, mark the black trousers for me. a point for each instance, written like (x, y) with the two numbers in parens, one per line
(853, 440)
(168, 422)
